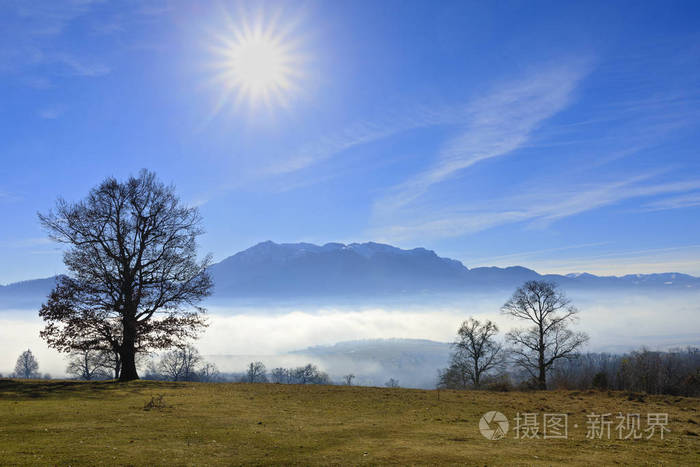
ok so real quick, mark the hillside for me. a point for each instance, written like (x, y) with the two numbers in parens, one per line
(74, 423)
(25, 294)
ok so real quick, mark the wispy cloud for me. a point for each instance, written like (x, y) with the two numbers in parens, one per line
(536, 209)
(50, 18)
(676, 202)
(30, 38)
(368, 131)
(499, 123)
(75, 66)
(510, 258)
(488, 126)
(557, 205)
(509, 119)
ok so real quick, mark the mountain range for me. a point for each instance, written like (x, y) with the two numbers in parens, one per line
(270, 270)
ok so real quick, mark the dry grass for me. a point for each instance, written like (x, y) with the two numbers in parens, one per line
(106, 423)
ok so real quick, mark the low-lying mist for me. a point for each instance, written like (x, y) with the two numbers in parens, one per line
(278, 334)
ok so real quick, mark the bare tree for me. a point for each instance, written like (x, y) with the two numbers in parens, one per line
(392, 383)
(308, 374)
(256, 373)
(135, 280)
(347, 379)
(548, 339)
(27, 366)
(280, 375)
(90, 364)
(209, 373)
(456, 376)
(180, 364)
(169, 367)
(477, 351)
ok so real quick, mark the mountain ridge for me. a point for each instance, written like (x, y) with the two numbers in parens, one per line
(273, 270)
(373, 268)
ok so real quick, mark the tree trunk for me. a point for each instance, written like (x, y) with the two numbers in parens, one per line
(542, 380)
(117, 366)
(127, 352)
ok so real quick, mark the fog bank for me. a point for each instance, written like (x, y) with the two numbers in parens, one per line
(237, 335)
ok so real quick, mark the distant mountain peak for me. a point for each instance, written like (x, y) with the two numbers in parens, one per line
(366, 249)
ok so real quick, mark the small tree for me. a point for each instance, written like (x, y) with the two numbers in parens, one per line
(89, 364)
(256, 373)
(456, 376)
(548, 339)
(27, 366)
(309, 374)
(347, 379)
(209, 373)
(180, 364)
(477, 351)
(392, 383)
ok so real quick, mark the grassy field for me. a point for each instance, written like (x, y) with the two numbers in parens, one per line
(53, 422)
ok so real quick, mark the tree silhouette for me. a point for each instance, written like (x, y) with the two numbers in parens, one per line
(135, 281)
(256, 373)
(89, 364)
(548, 339)
(476, 353)
(181, 364)
(392, 383)
(27, 366)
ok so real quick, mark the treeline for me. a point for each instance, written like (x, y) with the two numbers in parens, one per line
(676, 372)
(546, 353)
(182, 364)
(307, 374)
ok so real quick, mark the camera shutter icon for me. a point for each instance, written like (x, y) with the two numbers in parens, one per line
(493, 425)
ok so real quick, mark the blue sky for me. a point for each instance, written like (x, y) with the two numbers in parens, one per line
(562, 136)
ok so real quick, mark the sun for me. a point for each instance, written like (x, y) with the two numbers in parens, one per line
(259, 66)
(258, 63)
